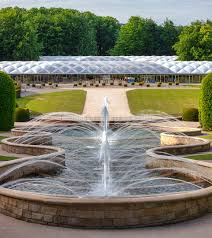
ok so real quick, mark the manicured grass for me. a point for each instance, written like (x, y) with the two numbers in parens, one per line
(201, 157)
(171, 101)
(6, 158)
(67, 101)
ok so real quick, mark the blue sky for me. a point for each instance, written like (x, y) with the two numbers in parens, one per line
(180, 11)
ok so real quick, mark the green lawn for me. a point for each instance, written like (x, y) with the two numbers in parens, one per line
(67, 101)
(201, 157)
(6, 158)
(171, 101)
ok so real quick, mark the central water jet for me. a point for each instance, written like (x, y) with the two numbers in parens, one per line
(105, 149)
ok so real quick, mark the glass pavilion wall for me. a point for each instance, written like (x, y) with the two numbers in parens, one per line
(70, 78)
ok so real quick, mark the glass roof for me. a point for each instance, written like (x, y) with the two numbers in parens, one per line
(107, 65)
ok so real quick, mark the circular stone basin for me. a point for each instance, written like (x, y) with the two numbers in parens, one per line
(108, 180)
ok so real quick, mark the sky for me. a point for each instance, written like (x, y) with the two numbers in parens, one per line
(180, 11)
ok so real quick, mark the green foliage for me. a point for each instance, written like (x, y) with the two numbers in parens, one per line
(190, 114)
(107, 33)
(27, 34)
(18, 36)
(144, 37)
(7, 102)
(195, 42)
(205, 103)
(168, 36)
(22, 115)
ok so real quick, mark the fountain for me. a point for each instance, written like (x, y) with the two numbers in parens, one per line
(111, 177)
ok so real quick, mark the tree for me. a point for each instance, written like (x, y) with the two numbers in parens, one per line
(65, 31)
(168, 36)
(7, 102)
(205, 103)
(138, 37)
(106, 34)
(18, 36)
(195, 42)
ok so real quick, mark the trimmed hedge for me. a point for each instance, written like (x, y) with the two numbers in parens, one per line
(22, 114)
(205, 103)
(7, 102)
(190, 114)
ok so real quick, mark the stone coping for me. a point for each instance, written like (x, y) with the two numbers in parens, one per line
(10, 170)
(184, 130)
(179, 145)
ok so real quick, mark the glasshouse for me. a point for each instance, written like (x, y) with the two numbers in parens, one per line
(76, 68)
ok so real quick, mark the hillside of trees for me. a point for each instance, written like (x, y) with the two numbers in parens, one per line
(28, 34)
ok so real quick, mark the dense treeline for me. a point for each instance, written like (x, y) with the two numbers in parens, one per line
(27, 34)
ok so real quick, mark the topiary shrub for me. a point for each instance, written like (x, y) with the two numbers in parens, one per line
(190, 114)
(120, 84)
(103, 84)
(22, 114)
(159, 85)
(91, 84)
(170, 83)
(205, 103)
(148, 85)
(141, 83)
(49, 83)
(125, 85)
(111, 83)
(7, 102)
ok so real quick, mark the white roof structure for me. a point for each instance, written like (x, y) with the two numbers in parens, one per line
(106, 65)
(82, 67)
(108, 58)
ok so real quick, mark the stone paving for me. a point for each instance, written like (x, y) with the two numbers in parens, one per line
(118, 104)
(12, 228)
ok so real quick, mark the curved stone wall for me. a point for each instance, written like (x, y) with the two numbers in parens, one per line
(105, 212)
(21, 167)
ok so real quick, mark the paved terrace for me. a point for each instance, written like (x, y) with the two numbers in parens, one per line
(198, 228)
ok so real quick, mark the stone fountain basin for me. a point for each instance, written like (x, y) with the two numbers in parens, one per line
(108, 212)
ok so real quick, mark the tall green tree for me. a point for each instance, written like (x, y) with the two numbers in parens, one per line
(138, 37)
(195, 42)
(65, 31)
(168, 36)
(18, 36)
(107, 30)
